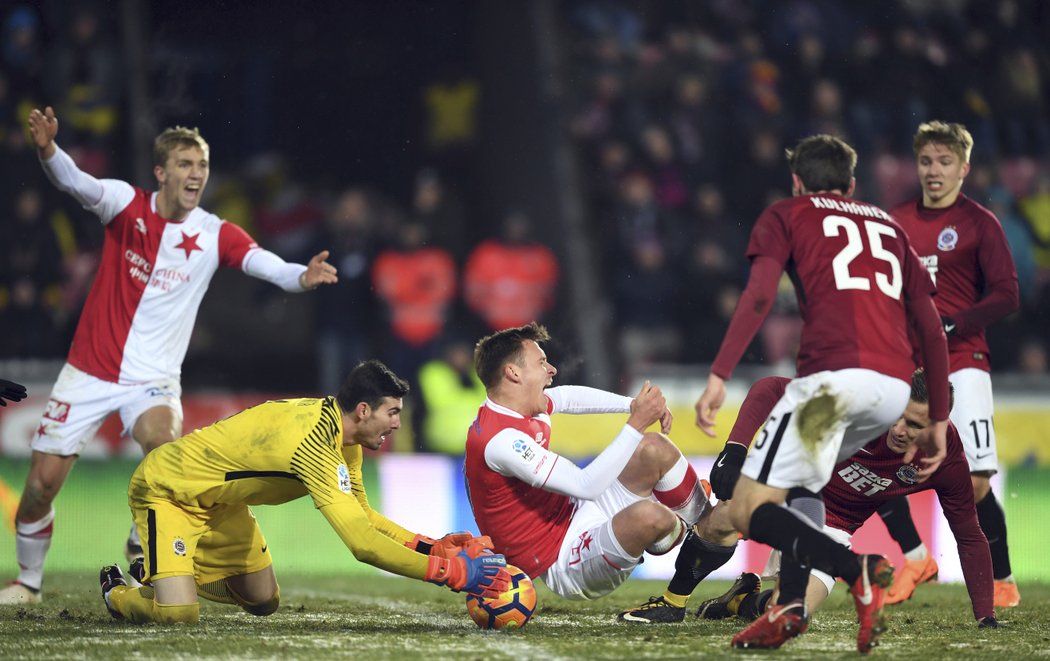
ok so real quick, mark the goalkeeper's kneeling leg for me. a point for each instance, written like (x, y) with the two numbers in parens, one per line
(261, 608)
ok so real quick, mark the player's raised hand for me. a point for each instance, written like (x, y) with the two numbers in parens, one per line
(43, 126)
(318, 272)
(648, 406)
(934, 444)
(710, 402)
(10, 390)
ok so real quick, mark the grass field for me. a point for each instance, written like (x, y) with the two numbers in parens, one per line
(378, 617)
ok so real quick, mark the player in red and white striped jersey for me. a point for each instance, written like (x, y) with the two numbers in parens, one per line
(159, 254)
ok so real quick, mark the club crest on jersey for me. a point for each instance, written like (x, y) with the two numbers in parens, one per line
(908, 474)
(179, 546)
(56, 410)
(947, 239)
(343, 475)
(524, 449)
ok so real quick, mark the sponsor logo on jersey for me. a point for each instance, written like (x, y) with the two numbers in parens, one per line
(56, 410)
(931, 264)
(343, 475)
(140, 266)
(179, 546)
(863, 479)
(908, 474)
(524, 448)
(947, 239)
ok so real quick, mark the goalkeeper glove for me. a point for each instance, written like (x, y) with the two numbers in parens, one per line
(726, 470)
(949, 326)
(449, 545)
(988, 623)
(473, 570)
(15, 392)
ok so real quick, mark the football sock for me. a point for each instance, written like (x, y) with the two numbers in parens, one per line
(137, 605)
(680, 490)
(808, 504)
(794, 578)
(697, 558)
(896, 514)
(750, 605)
(32, 540)
(993, 522)
(801, 542)
(216, 591)
(920, 552)
(261, 608)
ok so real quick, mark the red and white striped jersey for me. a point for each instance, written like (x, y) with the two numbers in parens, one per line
(139, 315)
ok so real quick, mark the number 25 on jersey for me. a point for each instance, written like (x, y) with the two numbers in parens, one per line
(855, 244)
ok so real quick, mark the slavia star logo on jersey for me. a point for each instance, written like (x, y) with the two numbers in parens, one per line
(189, 243)
(582, 544)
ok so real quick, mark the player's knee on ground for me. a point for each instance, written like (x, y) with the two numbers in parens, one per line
(261, 608)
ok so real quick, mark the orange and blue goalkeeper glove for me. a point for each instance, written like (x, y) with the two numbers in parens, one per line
(449, 545)
(473, 570)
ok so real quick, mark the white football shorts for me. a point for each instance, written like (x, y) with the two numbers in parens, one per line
(822, 419)
(972, 416)
(80, 403)
(591, 562)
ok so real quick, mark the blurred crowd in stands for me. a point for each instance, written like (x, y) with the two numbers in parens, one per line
(680, 113)
(684, 109)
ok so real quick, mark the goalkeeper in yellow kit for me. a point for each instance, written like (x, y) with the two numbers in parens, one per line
(190, 500)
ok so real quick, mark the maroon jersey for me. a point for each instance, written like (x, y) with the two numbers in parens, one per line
(864, 482)
(527, 524)
(852, 267)
(965, 250)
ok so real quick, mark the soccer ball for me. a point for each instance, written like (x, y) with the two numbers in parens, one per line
(511, 610)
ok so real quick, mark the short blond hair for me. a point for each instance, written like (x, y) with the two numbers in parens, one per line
(952, 135)
(174, 137)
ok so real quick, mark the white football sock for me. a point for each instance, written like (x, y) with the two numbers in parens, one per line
(680, 490)
(32, 540)
(917, 553)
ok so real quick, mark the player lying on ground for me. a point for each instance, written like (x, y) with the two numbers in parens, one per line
(859, 486)
(159, 253)
(581, 531)
(190, 500)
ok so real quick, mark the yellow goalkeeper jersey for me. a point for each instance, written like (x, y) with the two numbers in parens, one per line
(270, 454)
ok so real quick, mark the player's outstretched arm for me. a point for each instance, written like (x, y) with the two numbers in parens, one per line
(648, 406)
(43, 126)
(448, 546)
(318, 272)
(473, 570)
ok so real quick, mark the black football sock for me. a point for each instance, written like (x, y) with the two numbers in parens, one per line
(754, 604)
(896, 514)
(993, 522)
(776, 526)
(696, 559)
(794, 577)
